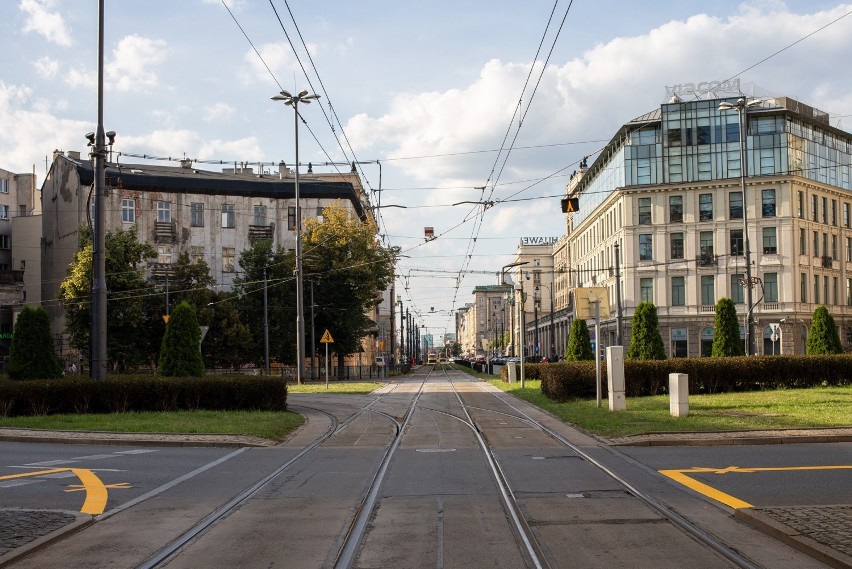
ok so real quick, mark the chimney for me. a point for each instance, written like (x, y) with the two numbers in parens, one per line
(74, 154)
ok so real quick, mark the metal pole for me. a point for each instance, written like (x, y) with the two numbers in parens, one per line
(749, 340)
(265, 324)
(552, 328)
(618, 316)
(535, 335)
(300, 324)
(99, 314)
(326, 365)
(522, 308)
(313, 336)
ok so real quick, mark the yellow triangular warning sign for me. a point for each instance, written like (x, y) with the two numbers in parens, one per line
(326, 338)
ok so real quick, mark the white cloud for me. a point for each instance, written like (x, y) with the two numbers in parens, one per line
(46, 67)
(132, 59)
(43, 21)
(180, 142)
(234, 5)
(217, 112)
(80, 77)
(280, 60)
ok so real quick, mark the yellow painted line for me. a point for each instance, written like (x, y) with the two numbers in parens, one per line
(96, 491)
(682, 476)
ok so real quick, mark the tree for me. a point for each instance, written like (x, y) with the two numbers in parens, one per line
(228, 339)
(281, 301)
(348, 268)
(579, 343)
(126, 289)
(726, 330)
(823, 337)
(645, 340)
(180, 355)
(31, 354)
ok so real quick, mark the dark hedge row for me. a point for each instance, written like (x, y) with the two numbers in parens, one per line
(142, 393)
(576, 380)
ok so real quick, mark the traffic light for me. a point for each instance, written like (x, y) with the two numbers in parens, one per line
(570, 205)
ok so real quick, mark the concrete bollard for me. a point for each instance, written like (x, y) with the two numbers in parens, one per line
(513, 372)
(679, 394)
(615, 378)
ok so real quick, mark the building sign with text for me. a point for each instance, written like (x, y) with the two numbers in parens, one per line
(538, 240)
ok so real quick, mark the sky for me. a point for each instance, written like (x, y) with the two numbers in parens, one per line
(422, 94)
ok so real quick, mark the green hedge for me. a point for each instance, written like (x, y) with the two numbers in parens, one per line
(142, 393)
(576, 380)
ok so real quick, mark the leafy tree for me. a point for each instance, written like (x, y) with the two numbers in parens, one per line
(281, 301)
(180, 355)
(645, 340)
(348, 268)
(228, 340)
(726, 330)
(579, 343)
(823, 337)
(126, 292)
(31, 354)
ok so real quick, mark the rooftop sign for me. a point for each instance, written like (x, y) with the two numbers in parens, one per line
(705, 88)
(539, 240)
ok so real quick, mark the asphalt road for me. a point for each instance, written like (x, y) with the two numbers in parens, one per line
(439, 503)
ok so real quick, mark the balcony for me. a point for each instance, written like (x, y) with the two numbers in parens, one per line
(11, 276)
(159, 271)
(827, 262)
(707, 260)
(260, 232)
(164, 232)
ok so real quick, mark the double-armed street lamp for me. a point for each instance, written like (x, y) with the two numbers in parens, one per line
(293, 101)
(742, 107)
(552, 328)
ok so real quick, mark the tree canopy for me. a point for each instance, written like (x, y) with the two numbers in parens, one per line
(645, 340)
(180, 355)
(31, 354)
(579, 343)
(823, 337)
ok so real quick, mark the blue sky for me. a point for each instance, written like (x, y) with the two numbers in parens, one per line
(427, 88)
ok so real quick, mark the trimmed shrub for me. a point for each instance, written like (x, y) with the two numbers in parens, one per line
(31, 354)
(823, 337)
(726, 330)
(180, 353)
(645, 340)
(579, 346)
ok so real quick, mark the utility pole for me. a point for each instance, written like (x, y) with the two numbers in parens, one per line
(618, 316)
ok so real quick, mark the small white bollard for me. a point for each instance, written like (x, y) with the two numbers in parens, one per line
(615, 378)
(679, 394)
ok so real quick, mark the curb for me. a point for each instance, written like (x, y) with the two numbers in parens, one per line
(130, 441)
(822, 553)
(81, 521)
(733, 441)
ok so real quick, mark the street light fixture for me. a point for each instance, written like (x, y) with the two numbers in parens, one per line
(294, 100)
(742, 107)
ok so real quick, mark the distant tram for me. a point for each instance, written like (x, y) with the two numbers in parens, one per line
(432, 359)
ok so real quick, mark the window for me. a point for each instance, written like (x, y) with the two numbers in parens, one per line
(735, 205)
(846, 220)
(676, 245)
(768, 200)
(801, 212)
(737, 288)
(646, 289)
(319, 211)
(228, 220)
(803, 242)
(196, 215)
(673, 136)
(680, 346)
(737, 242)
(770, 287)
(825, 244)
(196, 253)
(834, 291)
(825, 290)
(705, 207)
(291, 218)
(816, 289)
(164, 212)
(834, 247)
(803, 288)
(849, 249)
(825, 210)
(5, 242)
(834, 212)
(676, 209)
(646, 250)
(678, 291)
(227, 259)
(706, 342)
(770, 243)
(128, 211)
(4, 212)
(705, 242)
(4, 186)
(848, 292)
(708, 290)
(814, 208)
(260, 215)
(816, 243)
(644, 211)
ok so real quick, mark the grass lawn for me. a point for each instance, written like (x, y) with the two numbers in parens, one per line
(265, 424)
(351, 387)
(781, 409)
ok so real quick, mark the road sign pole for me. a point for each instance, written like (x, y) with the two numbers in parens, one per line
(326, 365)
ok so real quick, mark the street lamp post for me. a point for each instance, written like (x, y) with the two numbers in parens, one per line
(552, 329)
(294, 100)
(742, 107)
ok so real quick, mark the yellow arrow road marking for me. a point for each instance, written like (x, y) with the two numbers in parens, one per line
(681, 476)
(96, 491)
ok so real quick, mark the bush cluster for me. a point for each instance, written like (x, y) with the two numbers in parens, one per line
(142, 393)
(576, 380)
